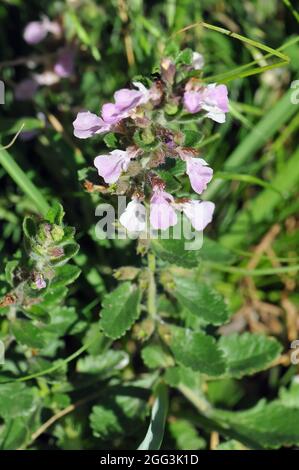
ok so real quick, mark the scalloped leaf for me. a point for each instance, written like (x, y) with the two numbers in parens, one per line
(248, 353)
(267, 425)
(27, 333)
(196, 350)
(201, 300)
(121, 308)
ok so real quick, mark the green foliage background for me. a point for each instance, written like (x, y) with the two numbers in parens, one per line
(90, 366)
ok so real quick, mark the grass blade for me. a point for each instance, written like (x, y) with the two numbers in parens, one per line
(262, 132)
(155, 432)
(23, 182)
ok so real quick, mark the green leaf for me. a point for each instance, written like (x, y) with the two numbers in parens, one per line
(155, 432)
(16, 431)
(53, 297)
(248, 353)
(213, 251)
(267, 425)
(29, 227)
(28, 334)
(104, 422)
(110, 140)
(65, 275)
(231, 445)
(201, 300)
(197, 351)
(186, 435)
(62, 319)
(155, 356)
(185, 57)
(180, 375)
(192, 138)
(121, 412)
(174, 252)
(16, 400)
(104, 364)
(121, 308)
(55, 214)
(9, 271)
(290, 397)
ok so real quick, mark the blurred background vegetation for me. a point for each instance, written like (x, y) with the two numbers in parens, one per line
(255, 156)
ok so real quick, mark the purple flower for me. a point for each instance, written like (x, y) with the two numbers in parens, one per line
(35, 32)
(125, 101)
(192, 101)
(39, 282)
(64, 66)
(200, 213)
(134, 217)
(199, 173)
(111, 166)
(111, 114)
(26, 89)
(212, 99)
(162, 214)
(87, 124)
(215, 101)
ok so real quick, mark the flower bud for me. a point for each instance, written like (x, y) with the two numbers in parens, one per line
(57, 233)
(126, 273)
(168, 70)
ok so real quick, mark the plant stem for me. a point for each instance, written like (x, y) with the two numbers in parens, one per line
(53, 368)
(151, 293)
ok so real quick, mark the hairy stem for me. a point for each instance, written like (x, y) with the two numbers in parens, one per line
(151, 293)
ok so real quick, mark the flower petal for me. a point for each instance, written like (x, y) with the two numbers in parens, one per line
(200, 213)
(162, 214)
(192, 101)
(112, 165)
(134, 217)
(199, 173)
(87, 124)
(35, 32)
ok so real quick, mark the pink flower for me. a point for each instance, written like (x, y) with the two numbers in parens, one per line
(87, 124)
(162, 214)
(212, 99)
(192, 101)
(199, 173)
(39, 282)
(36, 31)
(125, 101)
(215, 101)
(112, 165)
(134, 217)
(64, 66)
(200, 213)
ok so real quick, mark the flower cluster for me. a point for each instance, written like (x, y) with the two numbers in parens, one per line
(56, 66)
(150, 124)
